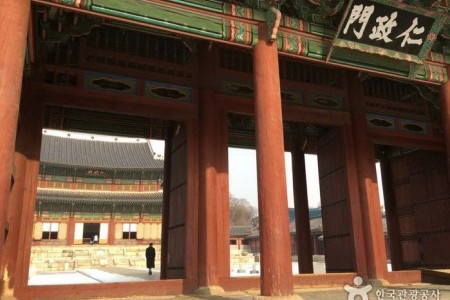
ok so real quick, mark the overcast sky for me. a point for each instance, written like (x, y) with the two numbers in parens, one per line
(242, 169)
(242, 177)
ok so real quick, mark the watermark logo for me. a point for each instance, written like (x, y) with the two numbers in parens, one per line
(358, 289)
(387, 293)
(408, 294)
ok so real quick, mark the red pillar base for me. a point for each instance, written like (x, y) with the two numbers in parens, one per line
(212, 290)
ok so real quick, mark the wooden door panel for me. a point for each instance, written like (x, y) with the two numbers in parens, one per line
(333, 182)
(178, 166)
(337, 225)
(342, 246)
(177, 208)
(422, 197)
(339, 250)
(410, 252)
(176, 258)
(436, 243)
(407, 225)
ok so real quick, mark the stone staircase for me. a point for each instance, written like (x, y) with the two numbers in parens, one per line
(242, 261)
(68, 258)
(57, 258)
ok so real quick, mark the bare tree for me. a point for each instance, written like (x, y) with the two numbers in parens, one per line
(241, 212)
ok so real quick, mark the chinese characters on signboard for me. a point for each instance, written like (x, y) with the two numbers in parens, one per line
(378, 25)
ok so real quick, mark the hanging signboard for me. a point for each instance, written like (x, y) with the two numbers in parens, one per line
(388, 28)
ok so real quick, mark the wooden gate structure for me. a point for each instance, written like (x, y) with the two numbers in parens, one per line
(321, 77)
(420, 214)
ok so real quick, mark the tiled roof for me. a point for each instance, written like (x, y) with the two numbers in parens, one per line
(82, 196)
(99, 154)
(240, 230)
(313, 213)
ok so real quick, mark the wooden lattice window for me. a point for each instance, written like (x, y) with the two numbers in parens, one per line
(129, 231)
(50, 231)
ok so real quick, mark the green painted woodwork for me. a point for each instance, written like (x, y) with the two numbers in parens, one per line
(317, 49)
(165, 91)
(259, 15)
(91, 215)
(381, 122)
(320, 30)
(291, 43)
(110, 82)
(93, 180)
(56, 214)
(211, 5)
(240, 32)
(59, 178)
(431, 73)
(83, 26)
(371, 62)
(127, 216)
(237, 25)
(162, 15)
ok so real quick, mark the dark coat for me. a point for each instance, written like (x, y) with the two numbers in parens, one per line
(150, 254)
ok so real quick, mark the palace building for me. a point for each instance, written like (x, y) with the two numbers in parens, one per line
(105, 188)
(95, 190)
(353, 81)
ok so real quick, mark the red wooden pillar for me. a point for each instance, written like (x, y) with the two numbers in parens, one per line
(112, 230)
(445, 111)
(15, 206)
(13, 214)
(209, 202)
(222, 191)
(70, 230)
(192, 208)
(214, 249)
(367, 183)
(14, 17)
(276, 269)
(360, 261)
(302, 228)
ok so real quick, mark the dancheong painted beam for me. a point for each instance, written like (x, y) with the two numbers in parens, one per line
(305, 31)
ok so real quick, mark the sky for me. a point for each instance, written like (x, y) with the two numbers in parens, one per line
(242, 175)
(243, 182)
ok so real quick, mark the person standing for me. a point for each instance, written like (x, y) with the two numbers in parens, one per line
(150, 254)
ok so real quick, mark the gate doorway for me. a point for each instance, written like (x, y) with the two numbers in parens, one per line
(102, 183)
(91, 232)
(321, 232)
